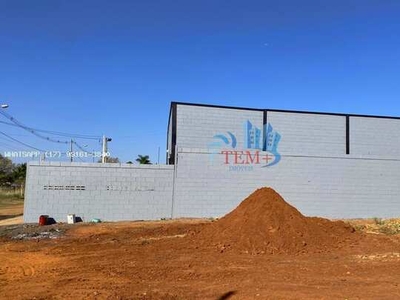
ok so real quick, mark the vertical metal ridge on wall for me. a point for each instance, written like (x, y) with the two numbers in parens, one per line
(173, 140)
(347, 134)
(168, 133)
(265, 122)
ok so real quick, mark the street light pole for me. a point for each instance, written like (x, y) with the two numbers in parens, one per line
(70, 152)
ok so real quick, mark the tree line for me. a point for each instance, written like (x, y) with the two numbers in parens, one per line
(141, 160)
(11, 174)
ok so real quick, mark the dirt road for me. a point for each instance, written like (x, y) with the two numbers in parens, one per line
(11, 214)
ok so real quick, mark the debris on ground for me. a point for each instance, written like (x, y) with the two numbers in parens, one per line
(33, 231)
(52, 234)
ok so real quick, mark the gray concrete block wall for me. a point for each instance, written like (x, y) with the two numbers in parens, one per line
(375, 136)
(112, 192)
(314, 174)
(197, 125)
(334, 187)
(301, 133)
(169, 140)
(310, 134)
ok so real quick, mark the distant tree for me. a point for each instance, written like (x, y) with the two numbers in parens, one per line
(11, 173)
(129, 162)
(114, 160)
(143, 160)
(111, 160)
(6, 169)
(19, 174)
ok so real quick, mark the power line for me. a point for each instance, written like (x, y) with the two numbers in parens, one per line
(15, 121)
(32, 147)
(6, 142)
(34, 131)
(19, 142)
(73, 135)
(80, 147)
(9, 143)
(19, 134)
(8, 146)
(22, 143)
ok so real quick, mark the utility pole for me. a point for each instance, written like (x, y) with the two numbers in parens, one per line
(70, 152)
(42, 157)
(105, 149)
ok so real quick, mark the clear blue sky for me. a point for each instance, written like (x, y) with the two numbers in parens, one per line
(112, 67)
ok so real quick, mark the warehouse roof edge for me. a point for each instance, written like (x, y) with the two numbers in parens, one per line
(174, 103)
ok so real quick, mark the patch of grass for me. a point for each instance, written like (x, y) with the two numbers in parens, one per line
(359, 227)
(390, 228)
(10, 198)
(377, 225)
(379, 221)
(387, 231)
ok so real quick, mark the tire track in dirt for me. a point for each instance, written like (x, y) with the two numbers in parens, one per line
(16, 272)
(17, 269)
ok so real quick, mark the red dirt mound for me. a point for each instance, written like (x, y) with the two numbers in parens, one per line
(265, 223)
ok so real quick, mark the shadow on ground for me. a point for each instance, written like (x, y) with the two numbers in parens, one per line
(5, 217)
(227, 295)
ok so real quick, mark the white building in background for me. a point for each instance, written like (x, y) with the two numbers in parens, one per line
(325, 164)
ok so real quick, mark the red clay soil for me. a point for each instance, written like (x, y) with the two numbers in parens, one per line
(154, 260)
(264, 223)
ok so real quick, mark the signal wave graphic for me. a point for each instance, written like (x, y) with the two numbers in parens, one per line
(221, 141)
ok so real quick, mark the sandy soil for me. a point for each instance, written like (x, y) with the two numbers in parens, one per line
(160, 260)
(11, 214)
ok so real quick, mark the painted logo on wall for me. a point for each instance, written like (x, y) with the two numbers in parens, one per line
(260, 148)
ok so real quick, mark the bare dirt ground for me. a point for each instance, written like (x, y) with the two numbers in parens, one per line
(11, 214)
(177, 260)
(11, 209)
(154, 260)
